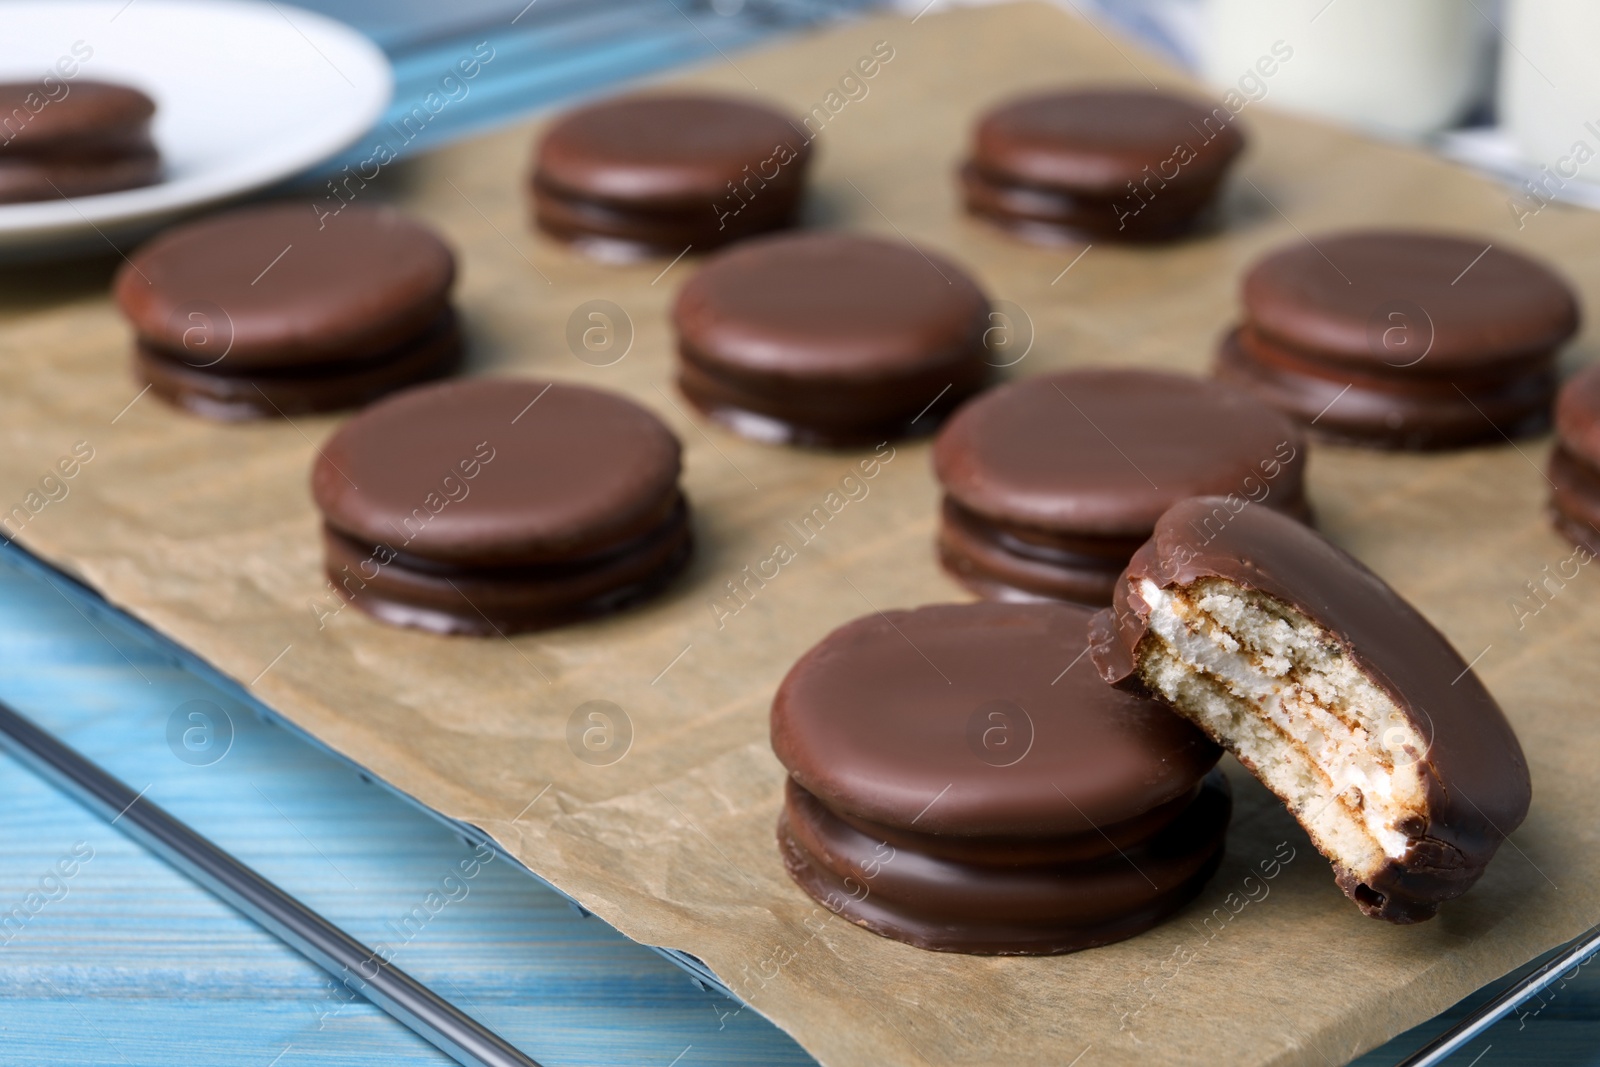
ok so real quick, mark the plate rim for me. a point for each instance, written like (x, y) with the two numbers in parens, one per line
(77, 217)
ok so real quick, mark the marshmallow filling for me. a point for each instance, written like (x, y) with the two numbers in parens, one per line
(1284, 696)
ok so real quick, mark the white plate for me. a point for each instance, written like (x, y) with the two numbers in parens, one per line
(247, 94)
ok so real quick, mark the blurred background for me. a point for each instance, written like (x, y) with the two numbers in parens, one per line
(1502, 85)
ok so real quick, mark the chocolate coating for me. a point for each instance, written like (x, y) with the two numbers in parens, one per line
(959, 735)
(607, 233)
(1575, 498)
(1100, 163)
(648, 175)
(1502, 308)
(24, 180)
(1477, 782)
(496, 505)
(295, 390)
(93, 139)
(1380, 410)
(1008, 906)
(93, 118)
(1444, 340)
(1052, 482)
(877, 731)
(829, 338)
(1578, 415)
(994, 562)
(1046, 216)
(267, 309)
(364, 280)
(1574, 467)
(489, 601)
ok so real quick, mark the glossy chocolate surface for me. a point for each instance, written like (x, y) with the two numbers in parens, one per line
(1574, 469)
(24, 179)
(1478, 785)
(959, 781)
(1052, 482)
(294, 390)
(92, 119)
(971, 720)
(443, 598)
(75, 138)
(1049, 216)
(835, 336)
(1578, 415)
(610, 232)
(1423, 303)
(498, 472)
(273, 287)
(1574, 498)
(992, 561)
(835, 307)
(662, 174)
(1013, 904)
(1390, 409)
(1096, 141)
(1104, 451)
(671, 150)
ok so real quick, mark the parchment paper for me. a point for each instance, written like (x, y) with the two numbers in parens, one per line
(207, 532)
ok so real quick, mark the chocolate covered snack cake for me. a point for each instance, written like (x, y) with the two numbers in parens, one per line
(1400, 339)
(659, 174)
(267, 311)
(1331, 689)
(493, 505)
(955, 783)
(1052, 482)
(830, 339)
(61, 138)
(1099, 164)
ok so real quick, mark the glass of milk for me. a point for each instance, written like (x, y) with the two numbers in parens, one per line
(1549, 99)
(1402, 68)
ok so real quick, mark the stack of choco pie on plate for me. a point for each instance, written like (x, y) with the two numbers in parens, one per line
(66, 137)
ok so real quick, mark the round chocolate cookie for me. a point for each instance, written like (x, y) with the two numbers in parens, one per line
(1394, 339)
(1099, 164)
(74, 138)
(1574, 469)
(270, 311)
(956, 784)
(492, 505)
(1053, 482)
(655, 175)
(830, 339)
